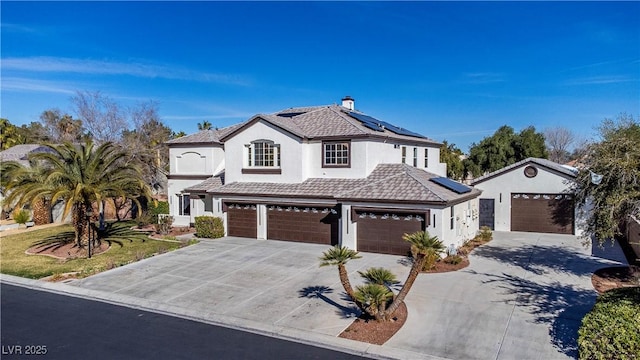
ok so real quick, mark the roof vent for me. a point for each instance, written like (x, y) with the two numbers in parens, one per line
(348, 102)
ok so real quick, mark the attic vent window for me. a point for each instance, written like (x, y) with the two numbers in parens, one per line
(530, 171)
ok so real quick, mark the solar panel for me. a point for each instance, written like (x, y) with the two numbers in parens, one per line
(367, 121)
(379, 125)
(451, 185)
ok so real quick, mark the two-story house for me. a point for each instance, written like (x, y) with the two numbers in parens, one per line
(322, 174)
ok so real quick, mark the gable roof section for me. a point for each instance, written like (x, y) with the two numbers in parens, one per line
(311, 122)
(387, 183)
(544, 163)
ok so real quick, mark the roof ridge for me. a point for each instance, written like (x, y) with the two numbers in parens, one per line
(347, 118)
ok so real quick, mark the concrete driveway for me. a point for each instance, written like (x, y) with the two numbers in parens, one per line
(522, 297)
(265, 282)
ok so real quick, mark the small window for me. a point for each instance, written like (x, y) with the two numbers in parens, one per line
(452, 218)
(404, 154)
(336, 154)
(426, 158)
(184, 205)
(415, 157)
(530, 171)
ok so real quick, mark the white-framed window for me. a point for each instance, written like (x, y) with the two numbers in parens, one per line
(184, 204)
(336, 154)
(263, 153)
(404, 154)
(453, 219)
(426, 158)
(415, 157)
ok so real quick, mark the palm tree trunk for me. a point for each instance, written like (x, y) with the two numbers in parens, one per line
(411, 278)
(346, 284)
(80, 225)
(41, 211)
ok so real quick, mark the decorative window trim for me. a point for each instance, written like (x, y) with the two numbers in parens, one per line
(269, 157)
(324, 151)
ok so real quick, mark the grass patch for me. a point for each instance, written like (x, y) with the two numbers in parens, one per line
(124, 249)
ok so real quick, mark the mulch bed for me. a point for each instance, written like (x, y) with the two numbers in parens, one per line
(175, 231)
(615, 277)
(442, 266)
(374, 332)
(66, 251)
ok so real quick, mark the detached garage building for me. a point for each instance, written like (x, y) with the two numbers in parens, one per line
(533, 195)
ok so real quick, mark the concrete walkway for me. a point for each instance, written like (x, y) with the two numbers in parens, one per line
(522, 297)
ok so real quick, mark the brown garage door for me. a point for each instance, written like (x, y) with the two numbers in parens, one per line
(381, 232)
(241, 220)
(309, 224)
(545, 213)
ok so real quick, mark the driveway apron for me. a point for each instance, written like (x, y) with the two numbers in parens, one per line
(522, 297)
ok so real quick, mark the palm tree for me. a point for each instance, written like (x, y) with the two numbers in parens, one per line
(205, 125)
(81, 175)
(339, 255)
(423, 245)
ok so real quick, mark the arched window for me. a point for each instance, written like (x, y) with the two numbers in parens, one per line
(263, 153)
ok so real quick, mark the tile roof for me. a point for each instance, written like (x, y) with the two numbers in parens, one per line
(387, 183)
(20, 153)
(211, 183)
(205, 136)
(306, 122)
(565, 170)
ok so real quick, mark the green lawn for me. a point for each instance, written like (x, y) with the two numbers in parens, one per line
(125, 248)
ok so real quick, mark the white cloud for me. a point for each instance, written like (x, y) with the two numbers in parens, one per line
(104, 67)
(483, 77)
(600, 80)
(32, 85)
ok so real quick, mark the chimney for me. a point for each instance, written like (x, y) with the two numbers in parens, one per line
(348, 102)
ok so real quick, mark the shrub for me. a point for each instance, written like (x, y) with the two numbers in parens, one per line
(485, 234)
(164, 224)
(21, 216)
(612, 329)
(453, 259)
(209, 227)
(157, 208)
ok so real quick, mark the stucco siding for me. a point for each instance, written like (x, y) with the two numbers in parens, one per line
(503, 185)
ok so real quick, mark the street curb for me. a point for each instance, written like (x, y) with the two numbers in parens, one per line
(274, 331)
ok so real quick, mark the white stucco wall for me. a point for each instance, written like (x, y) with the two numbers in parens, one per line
(291, 155)
(195, 160)
(502, 186)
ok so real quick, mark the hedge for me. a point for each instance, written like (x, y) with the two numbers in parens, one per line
(209, 227)
(612, 329)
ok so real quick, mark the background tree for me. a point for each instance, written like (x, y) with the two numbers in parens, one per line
(146, 143)
(61, 127)
(178, 134)
(452, 156)
(504, 148)
(616, 157)
(9, 135)
(558, 140)
(205, 125)
(81, 175)
(101, 116)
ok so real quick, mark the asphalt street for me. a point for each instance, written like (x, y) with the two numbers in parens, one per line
(40, 324)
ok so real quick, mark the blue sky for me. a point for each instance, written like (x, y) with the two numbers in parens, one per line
(452, 71)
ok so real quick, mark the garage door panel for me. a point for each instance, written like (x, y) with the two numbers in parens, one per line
(242, 220)
(382, 232)
(318, 225)
(545, 213)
